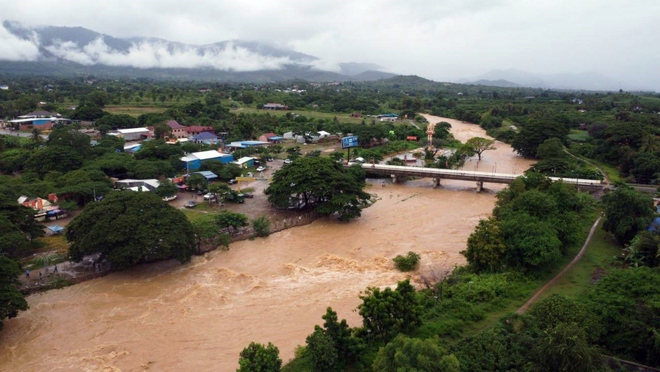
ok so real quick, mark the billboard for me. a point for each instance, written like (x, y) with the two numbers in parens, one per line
(348, 142)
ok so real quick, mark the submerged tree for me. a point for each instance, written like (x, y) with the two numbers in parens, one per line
(321, 184)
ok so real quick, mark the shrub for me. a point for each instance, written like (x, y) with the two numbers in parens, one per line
(408, 262)
(261, 226)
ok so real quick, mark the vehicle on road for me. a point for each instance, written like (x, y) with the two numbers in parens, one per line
(287, 161)
(209, 196)
(169, 198)
(235, 197)
(261, 169)
(248, 195)
(232, 181)
(191, 204)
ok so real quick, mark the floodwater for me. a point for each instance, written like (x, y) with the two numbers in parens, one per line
(199, 316)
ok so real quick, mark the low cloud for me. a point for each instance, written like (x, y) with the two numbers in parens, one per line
(13, 48)
(151, 54)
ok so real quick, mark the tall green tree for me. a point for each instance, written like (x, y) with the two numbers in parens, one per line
(413, 354)
(128, 228)
(534, 133)
(259, 358)
(626, 213)
(11, 299)
(478, 145)
(321, 184)
(321, 351)
(485, 247)
(386, 313)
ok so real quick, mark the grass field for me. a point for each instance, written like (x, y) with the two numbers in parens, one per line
(134, 111)
(594, 264)
(578, 135)
(344, 118)
(201, 213)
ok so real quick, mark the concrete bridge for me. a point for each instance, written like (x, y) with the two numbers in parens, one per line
(396, 172)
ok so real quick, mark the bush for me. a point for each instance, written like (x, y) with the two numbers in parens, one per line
(261, 226)
(408, 262)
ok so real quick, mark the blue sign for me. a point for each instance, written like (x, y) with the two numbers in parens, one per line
(351, 141)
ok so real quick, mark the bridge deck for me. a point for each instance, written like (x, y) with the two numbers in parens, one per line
(464, 175)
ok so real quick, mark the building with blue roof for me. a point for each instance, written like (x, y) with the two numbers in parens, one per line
(195, 160)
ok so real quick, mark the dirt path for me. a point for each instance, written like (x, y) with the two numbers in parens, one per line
(570, 265)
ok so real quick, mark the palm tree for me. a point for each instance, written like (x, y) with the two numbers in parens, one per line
(36, 136)
(650, 143)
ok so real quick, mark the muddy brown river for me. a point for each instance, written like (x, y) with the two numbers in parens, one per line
(199, 316)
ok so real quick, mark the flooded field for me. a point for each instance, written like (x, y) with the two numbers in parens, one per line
(199, 316)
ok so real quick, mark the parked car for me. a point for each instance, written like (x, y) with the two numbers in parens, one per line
(261, 169)
(190, 204)
(169, 198)
(248, 195)
(287, 161)
(232, 181)
(269, 159)
(209, 196)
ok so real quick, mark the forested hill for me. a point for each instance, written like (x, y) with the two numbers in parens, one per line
(66, 69)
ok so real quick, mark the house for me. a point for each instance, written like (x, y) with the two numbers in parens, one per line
(194, 130)
(244, 162)
(210, 176)
(244, 144)
(132, 134)
(178, 130)
(264, 137)
(275, 106)
(40, 114)
(38, 204)
(132, 148)
(42, 120)
(138, 185)
(195, 160)
(205, 137)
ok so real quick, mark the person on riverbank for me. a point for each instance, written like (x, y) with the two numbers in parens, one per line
(27, 273)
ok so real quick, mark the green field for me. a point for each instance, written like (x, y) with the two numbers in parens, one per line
(594, 264)
(134, 111)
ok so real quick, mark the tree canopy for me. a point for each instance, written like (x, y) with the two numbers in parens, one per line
(131, 227)
(321, 184)
(11, 299)
(626, 213)
(259, 358)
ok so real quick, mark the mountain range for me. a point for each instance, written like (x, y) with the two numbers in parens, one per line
(564, 81)
(77, 50)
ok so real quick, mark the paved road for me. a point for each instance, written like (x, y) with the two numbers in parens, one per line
(19, 134)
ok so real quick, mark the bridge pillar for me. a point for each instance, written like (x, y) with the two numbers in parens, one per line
(436, 182)
(480, 186)
(394, 178)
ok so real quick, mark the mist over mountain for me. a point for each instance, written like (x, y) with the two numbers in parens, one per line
(568, 81)
(65, 49)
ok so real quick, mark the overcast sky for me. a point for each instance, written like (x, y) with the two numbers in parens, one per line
(444, 40)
